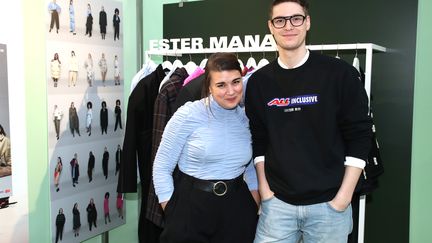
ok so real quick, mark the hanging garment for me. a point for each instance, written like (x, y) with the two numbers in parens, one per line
(369, 179)
(147, 69)
(163, 110)
(198, 72)
(190, 92)
(137, 148)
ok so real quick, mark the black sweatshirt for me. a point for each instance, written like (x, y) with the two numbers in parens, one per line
(305, 121)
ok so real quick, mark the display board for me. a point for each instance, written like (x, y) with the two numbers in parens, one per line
(5, 138)
(84, 57)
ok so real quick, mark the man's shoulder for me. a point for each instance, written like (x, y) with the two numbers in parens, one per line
(264, 72)
(329, 61)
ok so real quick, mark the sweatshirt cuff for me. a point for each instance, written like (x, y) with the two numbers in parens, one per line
(259, 159)
(354, 162)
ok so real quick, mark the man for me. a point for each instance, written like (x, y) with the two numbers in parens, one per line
(311, 135)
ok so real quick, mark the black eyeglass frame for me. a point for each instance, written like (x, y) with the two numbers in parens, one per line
(286, 18)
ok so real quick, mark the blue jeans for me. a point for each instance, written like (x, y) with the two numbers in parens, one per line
(317, 223)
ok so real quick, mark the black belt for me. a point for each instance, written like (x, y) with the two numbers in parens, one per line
(217, 187)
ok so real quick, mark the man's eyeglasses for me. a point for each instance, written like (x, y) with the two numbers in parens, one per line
(295, 20)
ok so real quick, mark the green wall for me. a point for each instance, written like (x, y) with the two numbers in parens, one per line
(421, 192)
(36, 98)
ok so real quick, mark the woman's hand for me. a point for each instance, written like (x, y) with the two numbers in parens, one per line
(163, 205)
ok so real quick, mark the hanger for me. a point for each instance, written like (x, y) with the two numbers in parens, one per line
(177, 63)
(149, 63)
(356, 61)
(167, 65)
(240, 62)
(204, 61)
(190, 66)
(337, 52)
(251, 63)
(263, 61)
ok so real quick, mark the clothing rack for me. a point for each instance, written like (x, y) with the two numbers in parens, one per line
(369, 49)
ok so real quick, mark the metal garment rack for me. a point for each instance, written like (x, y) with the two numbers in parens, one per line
(369, 48)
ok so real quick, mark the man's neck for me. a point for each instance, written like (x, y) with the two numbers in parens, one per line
(292, 57)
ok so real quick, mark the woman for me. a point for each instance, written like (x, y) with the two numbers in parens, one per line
(88, 64)
(89, 117)
(55, 69)
(103, 68)
(76, 220)
(104, 117)
(91, 214)
(106, 208)
(210, 142)
(57, 172)
(117, 112)
(73, 120)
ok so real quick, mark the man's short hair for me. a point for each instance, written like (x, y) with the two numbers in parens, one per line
(303, 3)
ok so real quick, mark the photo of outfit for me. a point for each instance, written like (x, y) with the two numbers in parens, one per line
(118, 122)
(103, 68)
(73, 70)
(116, 71)
(60, 222)
(88, 65)
(57, 116)
(103, 22)
(54, 10)
(116, 24)
(105, 159)
(73, 121)
(5, 156)
(71, 17)
(104, 119)
(91, 215)
(89, 119)
(57, 172)
(211, 146)
(89, 23)
(55, 68)
(90, 166)
(74, 171)
(106, 208)
(119, 205)
(76, 220)
(118, 159)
